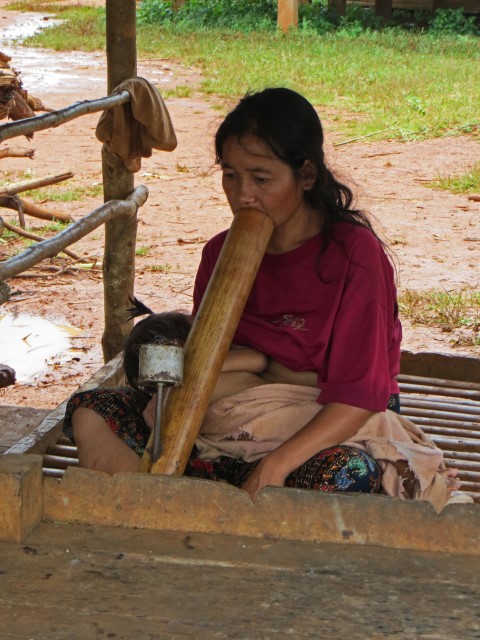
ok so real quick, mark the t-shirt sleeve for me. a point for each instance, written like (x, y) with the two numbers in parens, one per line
(207, 264)
(358, 371)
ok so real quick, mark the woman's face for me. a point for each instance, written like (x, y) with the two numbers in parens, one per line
(255, 178)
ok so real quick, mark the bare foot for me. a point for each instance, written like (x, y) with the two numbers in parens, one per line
(7, 375)
(453, 484)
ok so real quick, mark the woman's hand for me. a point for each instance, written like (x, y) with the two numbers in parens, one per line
(452, 481)
(149, 411)
(333, 424)
(266, 474)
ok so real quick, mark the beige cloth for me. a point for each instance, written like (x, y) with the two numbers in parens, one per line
(254, 422)
(131, 130)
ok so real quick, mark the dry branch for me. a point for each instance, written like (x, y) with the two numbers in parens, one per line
(16, 203)
(55, 118)
(475, 197)
(8, 152)
(368, 135)
(34, 184)
(51, 247)
(33, 236)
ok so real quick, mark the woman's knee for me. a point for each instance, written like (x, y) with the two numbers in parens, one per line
(339, 468)
(87, 423)
(99, 448)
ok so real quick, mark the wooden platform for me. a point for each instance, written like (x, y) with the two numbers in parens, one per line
(89, 556)
(85, 583)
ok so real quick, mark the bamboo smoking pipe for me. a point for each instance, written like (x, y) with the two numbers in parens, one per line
(210, 338)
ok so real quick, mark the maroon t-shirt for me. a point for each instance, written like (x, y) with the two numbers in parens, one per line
(333, 312)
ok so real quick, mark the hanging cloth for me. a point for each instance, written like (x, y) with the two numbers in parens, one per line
(131, 130)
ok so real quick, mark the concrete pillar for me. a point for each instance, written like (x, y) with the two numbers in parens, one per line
(287, 16)
(21, 495)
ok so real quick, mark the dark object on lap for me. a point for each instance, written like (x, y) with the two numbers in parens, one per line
(7, 376)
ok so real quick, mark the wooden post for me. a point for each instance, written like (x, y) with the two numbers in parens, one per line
(21, 505)
(340, 6)
(383, 9)
(210, 339)
(287, 15)
(118, 183)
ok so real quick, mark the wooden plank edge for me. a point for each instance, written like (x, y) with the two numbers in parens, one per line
(440, 365)
(184, 504)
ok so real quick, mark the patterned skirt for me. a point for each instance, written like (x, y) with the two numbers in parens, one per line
(338, 468)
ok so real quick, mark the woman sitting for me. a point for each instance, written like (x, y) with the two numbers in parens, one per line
(322, 318)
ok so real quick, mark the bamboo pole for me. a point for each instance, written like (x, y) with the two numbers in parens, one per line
(210, 338)
(32, 209)
(435, 408)
(433, 383)
(55, 118)
(457, 444)
(118, 182)
(434, 430)
(36, 183)
(464, 457)
(125, 210)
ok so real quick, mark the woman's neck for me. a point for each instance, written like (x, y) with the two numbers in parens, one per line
(289, 237)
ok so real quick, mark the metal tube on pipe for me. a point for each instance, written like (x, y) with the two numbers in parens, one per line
(160, 363)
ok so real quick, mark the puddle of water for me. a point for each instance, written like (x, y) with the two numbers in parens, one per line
(27, 25)
(30, 344)
(44, 72)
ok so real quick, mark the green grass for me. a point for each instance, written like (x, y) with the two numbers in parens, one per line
(55, 193)
(56, 227)
(142, 251)
(180, 91)
(59, 194)
(162, 268)
(467, 182)
(83, 29)
(448, 310)
(391, 83)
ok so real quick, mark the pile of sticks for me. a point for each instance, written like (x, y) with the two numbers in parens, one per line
(15, 101)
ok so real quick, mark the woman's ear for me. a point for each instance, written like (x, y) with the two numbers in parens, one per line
(308, 174)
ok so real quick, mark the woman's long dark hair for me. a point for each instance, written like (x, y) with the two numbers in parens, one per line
(170, 327)
(290, 126)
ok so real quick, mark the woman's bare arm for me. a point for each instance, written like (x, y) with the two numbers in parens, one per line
(333, 424)
(244, 359)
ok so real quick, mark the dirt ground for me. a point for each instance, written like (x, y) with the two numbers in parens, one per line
(434, 235)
